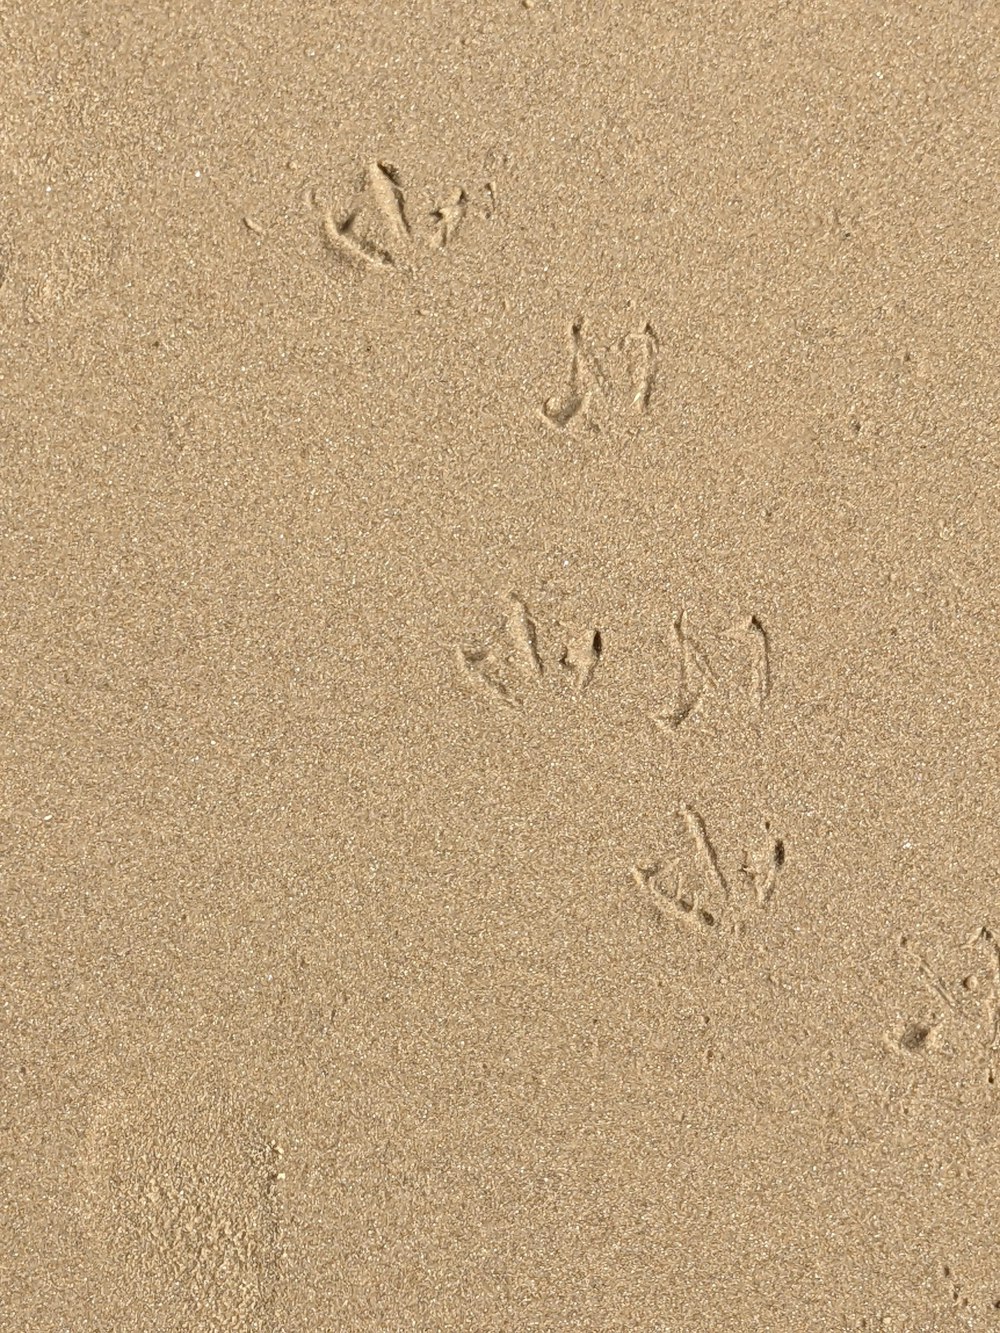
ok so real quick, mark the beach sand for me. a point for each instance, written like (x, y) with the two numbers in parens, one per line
(498, 666)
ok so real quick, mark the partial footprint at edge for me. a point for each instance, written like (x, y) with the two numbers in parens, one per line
(185, 1208)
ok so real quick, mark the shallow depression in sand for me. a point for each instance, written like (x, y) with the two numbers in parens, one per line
(185, 1212)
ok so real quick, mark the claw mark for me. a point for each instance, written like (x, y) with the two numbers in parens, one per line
(449, 217)
(474, 665)
(987, 937)
(686, 908)
(761, 663)
(341, 238)
(956, 1288)
(524, 635)
(643, 366)
(695, 826)
(764, 879)
(388, 193)
(583, 660)
(696, 678)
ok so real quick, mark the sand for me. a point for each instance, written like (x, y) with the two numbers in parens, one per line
(498, 666)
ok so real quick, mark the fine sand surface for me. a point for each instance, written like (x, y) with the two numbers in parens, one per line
(498, 666)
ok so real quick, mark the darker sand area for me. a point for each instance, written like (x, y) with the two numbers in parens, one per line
(498, 667)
